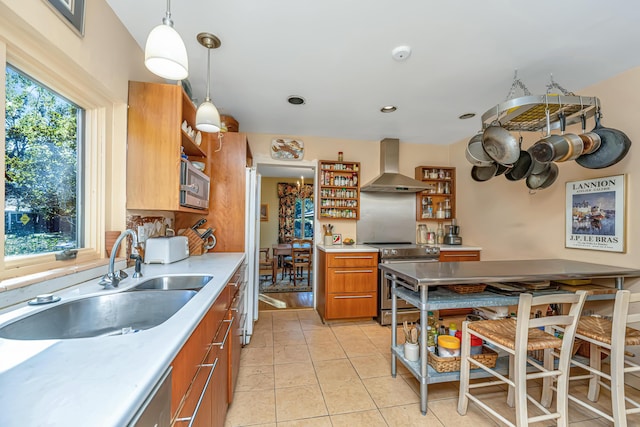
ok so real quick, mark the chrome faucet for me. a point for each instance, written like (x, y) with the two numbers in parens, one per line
(113, 278)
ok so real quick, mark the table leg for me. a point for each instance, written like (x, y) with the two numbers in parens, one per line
(423, 348)
(394, 325)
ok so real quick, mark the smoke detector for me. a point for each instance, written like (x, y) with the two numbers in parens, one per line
(401, 53)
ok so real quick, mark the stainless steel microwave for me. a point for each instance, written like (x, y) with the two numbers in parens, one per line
(194, 187)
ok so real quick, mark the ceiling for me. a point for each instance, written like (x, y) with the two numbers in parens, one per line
(337, 55)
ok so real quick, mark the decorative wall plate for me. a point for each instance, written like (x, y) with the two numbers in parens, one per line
(287, 149)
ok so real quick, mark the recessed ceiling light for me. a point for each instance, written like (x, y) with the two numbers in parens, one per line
(467, 116)
(296, 100)
(388, 108)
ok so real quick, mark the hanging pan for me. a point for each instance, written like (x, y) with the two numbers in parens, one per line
(475, 154)
(483, 173)
(500, 145)
(522, 167)
(590, 140)
(614, 146)
(543, 179)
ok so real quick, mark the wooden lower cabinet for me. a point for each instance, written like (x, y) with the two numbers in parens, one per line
(236, 315)
(200, 392)
(457, 256)
(347, 285)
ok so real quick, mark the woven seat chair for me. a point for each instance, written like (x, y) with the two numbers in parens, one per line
(518, 337)
(610, 337)
(301, 257)
(267, 266)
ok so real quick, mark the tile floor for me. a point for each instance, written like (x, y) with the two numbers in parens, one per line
(298, 372)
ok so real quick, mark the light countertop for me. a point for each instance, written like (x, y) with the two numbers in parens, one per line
(347, 248)
(367, 248)
(101, 380)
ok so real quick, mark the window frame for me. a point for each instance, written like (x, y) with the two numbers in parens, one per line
(48, 70)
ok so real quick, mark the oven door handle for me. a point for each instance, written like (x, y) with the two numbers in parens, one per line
(193, 188)
(404, 261)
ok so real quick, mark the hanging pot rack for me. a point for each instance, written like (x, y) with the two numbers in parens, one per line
(528, 113)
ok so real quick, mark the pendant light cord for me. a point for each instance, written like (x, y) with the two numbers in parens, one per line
(208, 75)
(167, 17)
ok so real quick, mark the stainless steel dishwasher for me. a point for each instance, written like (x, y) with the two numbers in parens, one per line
(156, 409)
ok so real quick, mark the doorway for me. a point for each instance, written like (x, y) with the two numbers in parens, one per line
(287, 211)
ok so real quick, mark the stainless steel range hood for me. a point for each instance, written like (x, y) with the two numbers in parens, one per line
(390, 180)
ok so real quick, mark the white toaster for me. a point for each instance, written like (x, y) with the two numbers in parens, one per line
(165, 250)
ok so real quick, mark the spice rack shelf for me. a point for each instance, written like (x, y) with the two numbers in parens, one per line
(438, 201)
(528, 113)
(339, 190)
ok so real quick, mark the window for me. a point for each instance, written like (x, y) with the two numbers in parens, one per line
(43, 161)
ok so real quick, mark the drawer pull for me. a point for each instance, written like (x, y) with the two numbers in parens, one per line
(458, 255)
(226, 334)
(353, 296)
(204, 390)
(354, 257)
(352, 271)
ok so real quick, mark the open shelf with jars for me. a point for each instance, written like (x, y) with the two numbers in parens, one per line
(339, 190)
(438, 201)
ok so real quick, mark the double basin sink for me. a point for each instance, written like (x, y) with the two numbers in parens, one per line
(141, 307)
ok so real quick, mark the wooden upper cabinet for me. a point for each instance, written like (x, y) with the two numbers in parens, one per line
(227, 197)
(154, 141)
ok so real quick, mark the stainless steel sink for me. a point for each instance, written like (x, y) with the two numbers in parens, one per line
(103, 315)
(191, 282)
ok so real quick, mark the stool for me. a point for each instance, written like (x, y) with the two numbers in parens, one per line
(610, 337)
(517, 337)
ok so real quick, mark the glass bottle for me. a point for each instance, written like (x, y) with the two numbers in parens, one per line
(440, 211)
(431, 343)
(447, 208)
(440, 234)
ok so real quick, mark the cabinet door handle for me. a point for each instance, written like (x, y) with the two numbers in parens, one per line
(352, 271)
(226, 334)
(353, 296)
(204, 391)
(458, 255)
(354, 257)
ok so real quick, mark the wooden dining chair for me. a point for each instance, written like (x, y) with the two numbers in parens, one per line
(267, 266)
(518, 338)
(300, 259)
(610, 337)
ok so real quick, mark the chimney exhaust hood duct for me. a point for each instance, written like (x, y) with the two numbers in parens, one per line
(390, 180)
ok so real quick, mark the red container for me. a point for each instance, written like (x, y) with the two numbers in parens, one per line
(476, 343)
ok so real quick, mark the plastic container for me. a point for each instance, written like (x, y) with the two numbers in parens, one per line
(453, 329)
(448, 346)
(476, 343)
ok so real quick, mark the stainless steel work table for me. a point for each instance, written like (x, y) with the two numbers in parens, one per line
(411, 282)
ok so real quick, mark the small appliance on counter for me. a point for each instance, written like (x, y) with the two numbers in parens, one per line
(165, 250)
(452, 237)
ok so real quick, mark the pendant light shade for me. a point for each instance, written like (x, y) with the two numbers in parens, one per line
(165, 54)
(207, 116)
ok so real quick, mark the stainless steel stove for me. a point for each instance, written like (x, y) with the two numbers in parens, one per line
(394, 253)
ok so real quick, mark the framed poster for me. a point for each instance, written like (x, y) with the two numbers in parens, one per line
(596, 214)
(264, 212)
(72, 13)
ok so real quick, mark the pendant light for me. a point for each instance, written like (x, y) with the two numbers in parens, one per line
(207, 116)
(165, 54)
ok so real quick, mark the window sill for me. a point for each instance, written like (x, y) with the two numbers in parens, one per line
(19, 289)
